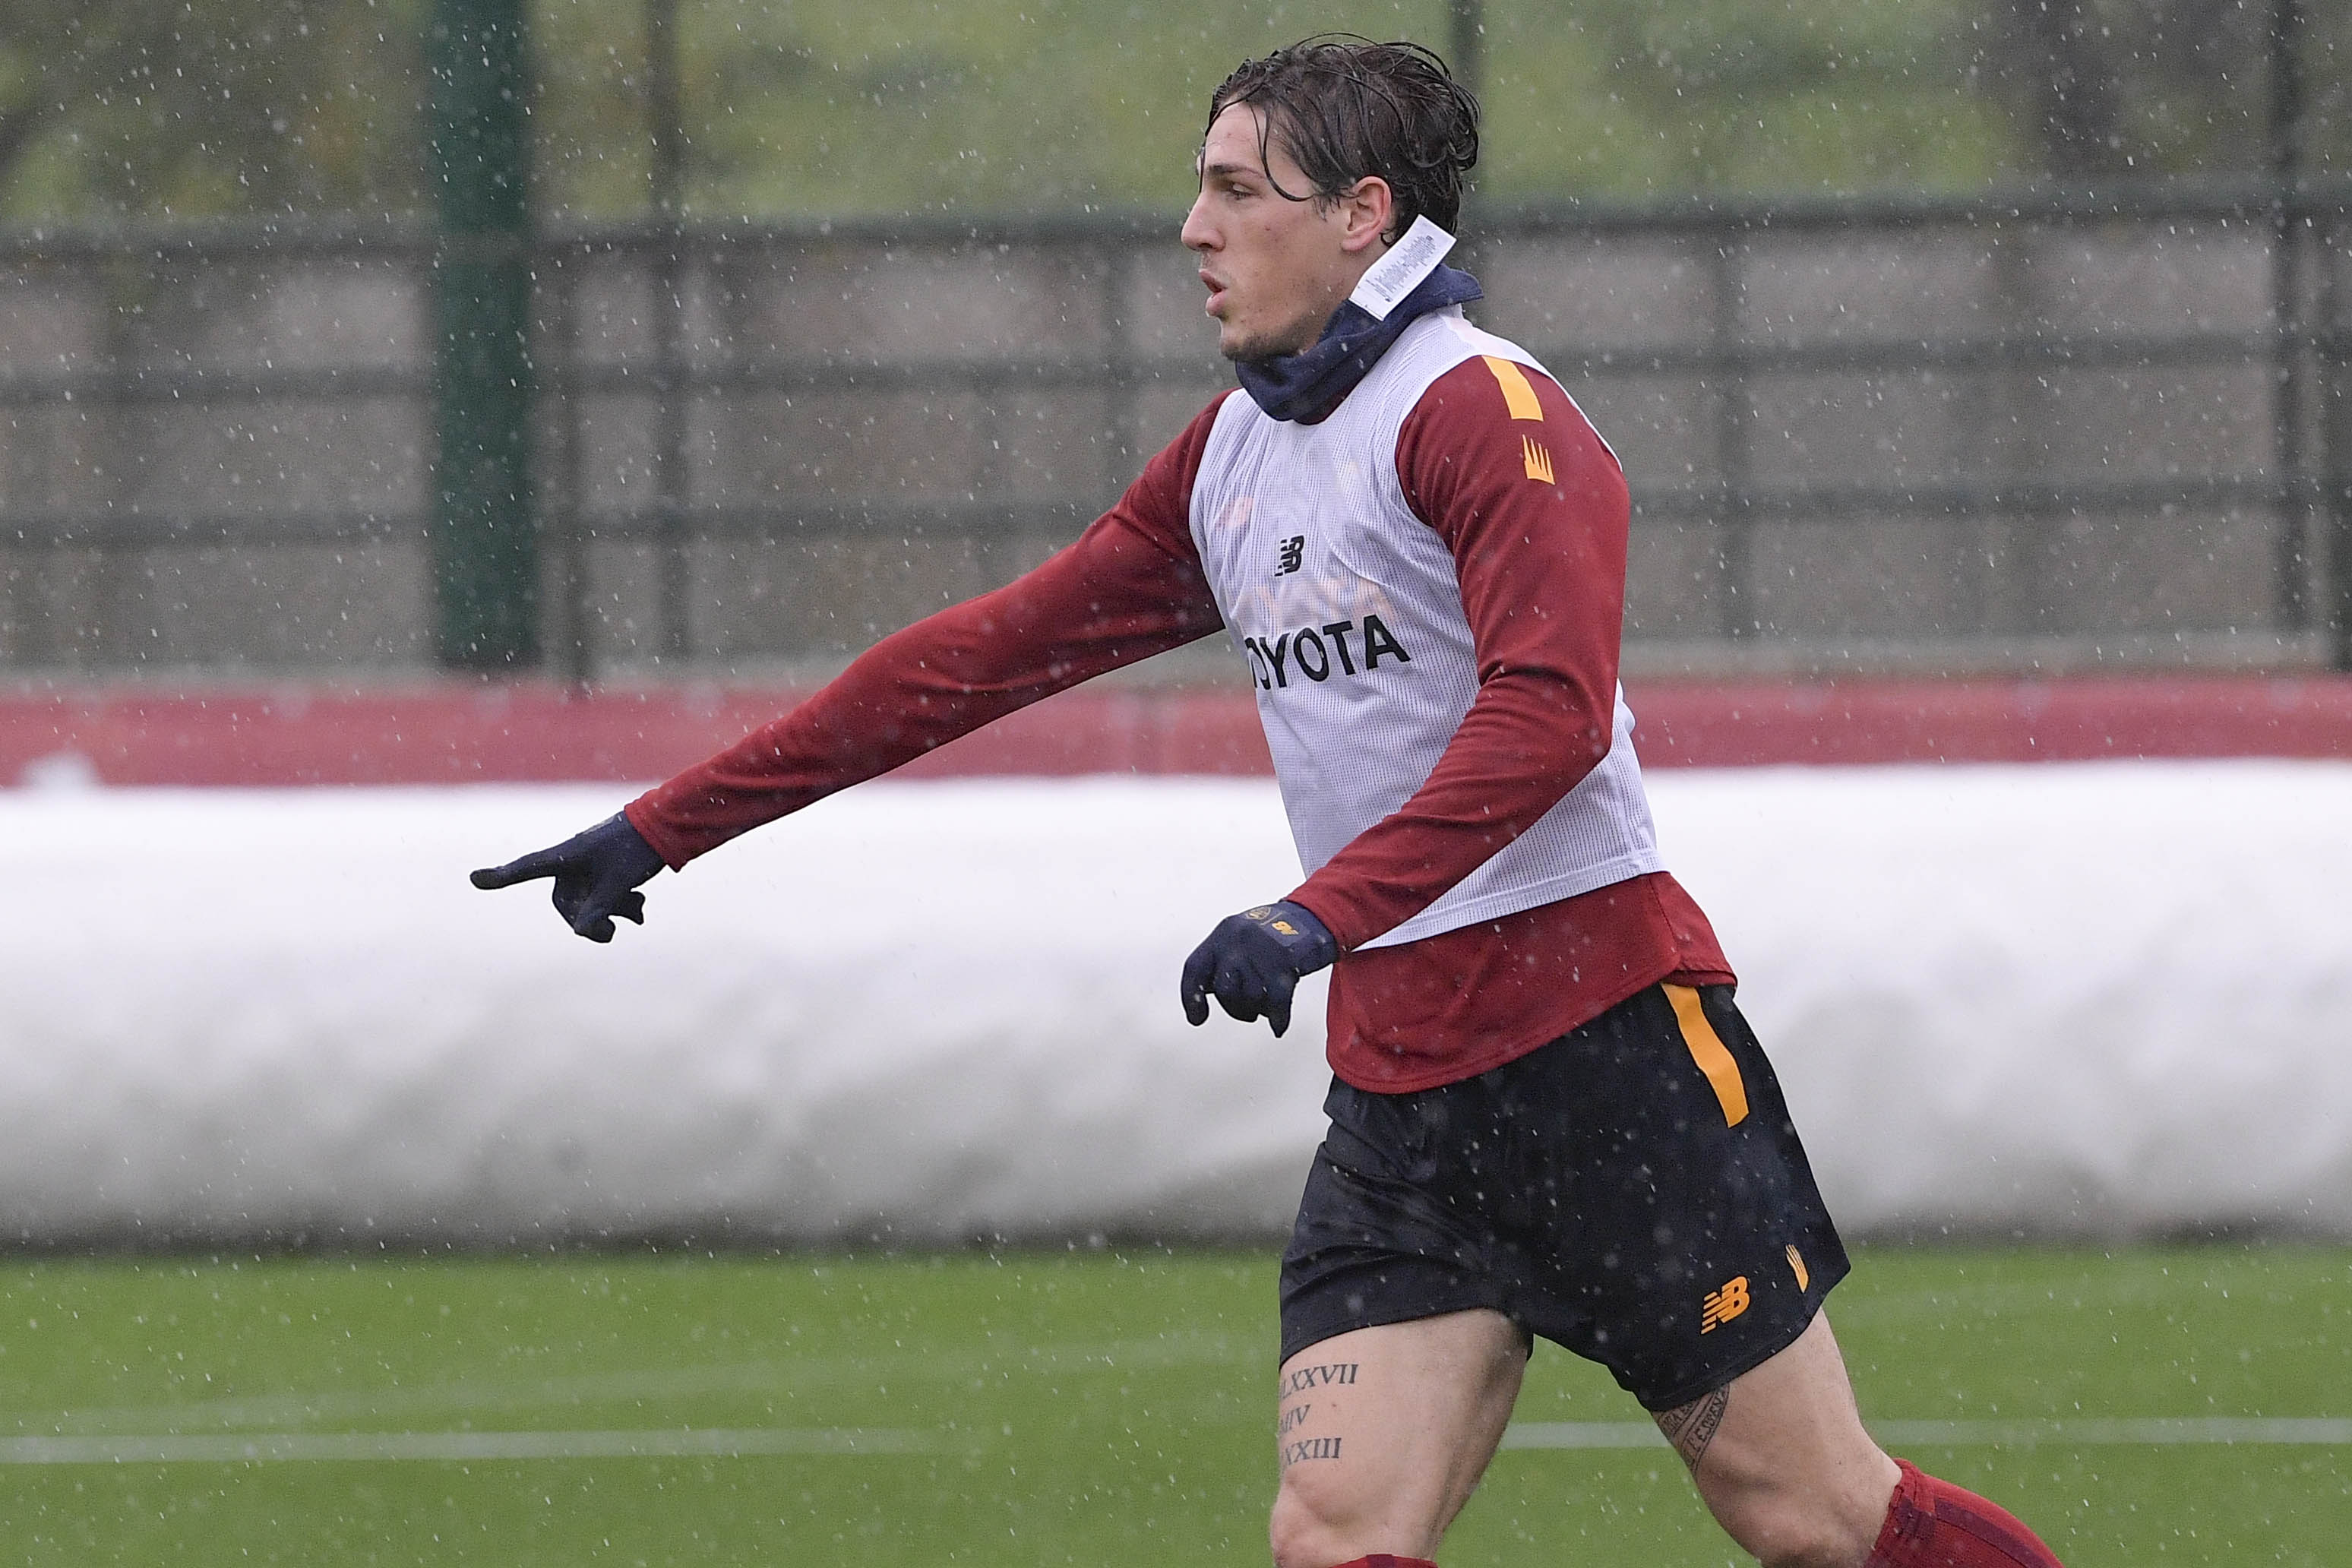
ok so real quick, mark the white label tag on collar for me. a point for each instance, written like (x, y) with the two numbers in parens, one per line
(1399, 272)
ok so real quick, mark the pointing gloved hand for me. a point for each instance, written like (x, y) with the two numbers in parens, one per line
(1253, 962)
(596, 874)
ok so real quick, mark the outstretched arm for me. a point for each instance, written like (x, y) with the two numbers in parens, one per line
(1121, 594)
(1131, 586)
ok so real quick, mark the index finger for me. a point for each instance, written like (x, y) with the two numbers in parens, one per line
(1194, 988)
(537, 863)
(1277, 1005)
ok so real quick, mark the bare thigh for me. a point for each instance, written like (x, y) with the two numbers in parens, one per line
(1783, 1461)
(1384, 1432)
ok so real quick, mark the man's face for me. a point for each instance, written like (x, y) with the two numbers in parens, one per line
(1275, 268)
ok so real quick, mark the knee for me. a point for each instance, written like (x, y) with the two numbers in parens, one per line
(1309, 1527)
(1801, 1527)
(1788, 1536)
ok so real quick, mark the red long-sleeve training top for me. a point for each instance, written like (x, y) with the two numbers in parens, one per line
(1541, 571)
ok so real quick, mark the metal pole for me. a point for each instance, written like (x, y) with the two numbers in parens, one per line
(2336, 442)
(1742, 618)
(1465, 47)
(572, 564)
(1123, 421)
(667, 180)
(2289, 406)
(485, 535)
(2332, 483)
(1466, 44)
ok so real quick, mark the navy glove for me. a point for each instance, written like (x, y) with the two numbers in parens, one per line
(1253, 962)
(596, 874)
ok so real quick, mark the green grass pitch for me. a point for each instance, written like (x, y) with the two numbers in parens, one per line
(1035, 1409)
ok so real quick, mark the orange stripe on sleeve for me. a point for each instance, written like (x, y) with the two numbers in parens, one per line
(1518, 396)
(1707, 1050)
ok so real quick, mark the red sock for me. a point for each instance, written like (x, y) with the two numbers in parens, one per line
(1935, 1524)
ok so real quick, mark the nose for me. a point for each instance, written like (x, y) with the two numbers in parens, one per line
(1196, 233)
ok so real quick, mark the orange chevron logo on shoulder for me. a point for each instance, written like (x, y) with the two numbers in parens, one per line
(1538, 461)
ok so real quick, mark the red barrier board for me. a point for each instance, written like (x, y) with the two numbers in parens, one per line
(460, 733)
(534, 733)
(1860, 722)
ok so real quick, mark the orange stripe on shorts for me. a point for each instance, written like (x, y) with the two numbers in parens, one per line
(1707, 1050)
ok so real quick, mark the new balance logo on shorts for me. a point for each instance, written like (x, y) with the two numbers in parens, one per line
(1721, 1306)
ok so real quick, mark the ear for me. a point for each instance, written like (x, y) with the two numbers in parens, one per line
(1367, 211)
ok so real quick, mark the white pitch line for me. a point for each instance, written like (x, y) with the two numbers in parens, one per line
(1582, 1435)
(448, 1400)
(2158, 1432)
(375, 1448)
(230, 1448)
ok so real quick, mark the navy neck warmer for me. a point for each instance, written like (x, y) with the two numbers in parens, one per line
(1306, 386)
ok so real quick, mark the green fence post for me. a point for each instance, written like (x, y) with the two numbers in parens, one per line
(2335, 431)
(484, 528)
(1466, 44)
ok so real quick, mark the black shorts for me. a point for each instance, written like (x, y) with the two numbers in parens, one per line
(1634, 1191)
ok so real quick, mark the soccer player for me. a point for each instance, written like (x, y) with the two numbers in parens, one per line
(1548, 1116)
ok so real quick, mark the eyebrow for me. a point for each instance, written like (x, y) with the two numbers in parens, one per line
(1227, 170)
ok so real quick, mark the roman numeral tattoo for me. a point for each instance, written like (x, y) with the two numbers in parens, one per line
(1312, 1448)
(1307, 1377)
(1294, 1449)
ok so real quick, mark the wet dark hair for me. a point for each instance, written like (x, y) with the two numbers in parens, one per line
(1344, 107)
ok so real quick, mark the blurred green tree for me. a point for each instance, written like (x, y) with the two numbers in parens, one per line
(1729, 95)
(2111, 88)
(192, 107)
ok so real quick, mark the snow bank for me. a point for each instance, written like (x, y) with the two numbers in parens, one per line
(2101, 999)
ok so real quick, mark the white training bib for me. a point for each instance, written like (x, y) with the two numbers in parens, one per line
(1348, 609)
